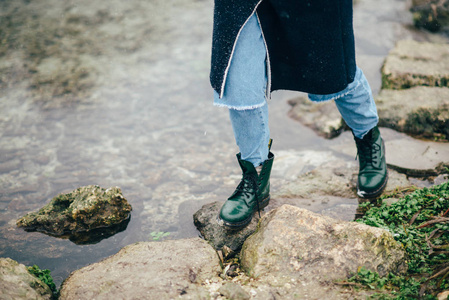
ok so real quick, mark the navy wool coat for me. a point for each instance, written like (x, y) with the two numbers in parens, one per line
(310, 43)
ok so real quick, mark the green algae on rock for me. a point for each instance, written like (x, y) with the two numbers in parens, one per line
(82, 210)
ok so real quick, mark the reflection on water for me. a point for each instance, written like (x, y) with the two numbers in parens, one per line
(116, 93)
(90, 237)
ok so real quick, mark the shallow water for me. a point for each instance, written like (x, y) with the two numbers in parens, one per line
(138, 115)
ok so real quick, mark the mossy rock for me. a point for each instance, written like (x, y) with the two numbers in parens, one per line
(420, 111)
(413, 63)
(84, 209)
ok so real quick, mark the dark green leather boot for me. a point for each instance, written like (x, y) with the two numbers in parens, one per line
(373, 174)
(251, 195)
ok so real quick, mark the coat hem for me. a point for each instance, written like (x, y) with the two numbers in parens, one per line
(336, 97)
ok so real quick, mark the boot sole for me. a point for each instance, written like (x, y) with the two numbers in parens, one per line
(375, 193)
(244, 223)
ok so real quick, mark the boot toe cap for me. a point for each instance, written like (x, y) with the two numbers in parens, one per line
(234, 212)
(371, 184)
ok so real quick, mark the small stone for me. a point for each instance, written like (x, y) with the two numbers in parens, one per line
(234, 291)
(443, 295)
(227, 252)
(232, 270)
(390, 201)
(441, 179)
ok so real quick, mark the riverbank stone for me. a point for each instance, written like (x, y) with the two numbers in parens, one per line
(17, 283)
(412, 63)
(323, 118)
(296, 245)
(406, 155)
(85, 209)
(337, 178)
(157, 270)
(420, 111)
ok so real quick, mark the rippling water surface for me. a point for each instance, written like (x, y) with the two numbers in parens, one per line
(116, 93)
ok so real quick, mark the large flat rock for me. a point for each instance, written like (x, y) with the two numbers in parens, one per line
(406, 155)
(419, 111)
(297, 248)
(413, 63)
(151, 270)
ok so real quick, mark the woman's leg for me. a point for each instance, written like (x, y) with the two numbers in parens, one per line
(245, 96)
(358, 109)
(252, 133)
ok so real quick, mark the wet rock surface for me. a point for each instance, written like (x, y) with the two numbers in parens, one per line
(413, 63)
(120, 96)
(17, 283)
(329, 188)
(82, 210)
(219, 236)
(335, 179)
(419, 111)
(156, 270)
(406, 155)
(294, 252)
(324, 118)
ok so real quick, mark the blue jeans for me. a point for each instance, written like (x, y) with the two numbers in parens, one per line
(245, 94)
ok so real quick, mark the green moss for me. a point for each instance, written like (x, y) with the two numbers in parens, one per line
(416, 222)
(428, 123)
(45, 277)
(83, 209)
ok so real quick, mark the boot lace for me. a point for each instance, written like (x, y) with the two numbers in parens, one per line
(248, 186)
(368, 152)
